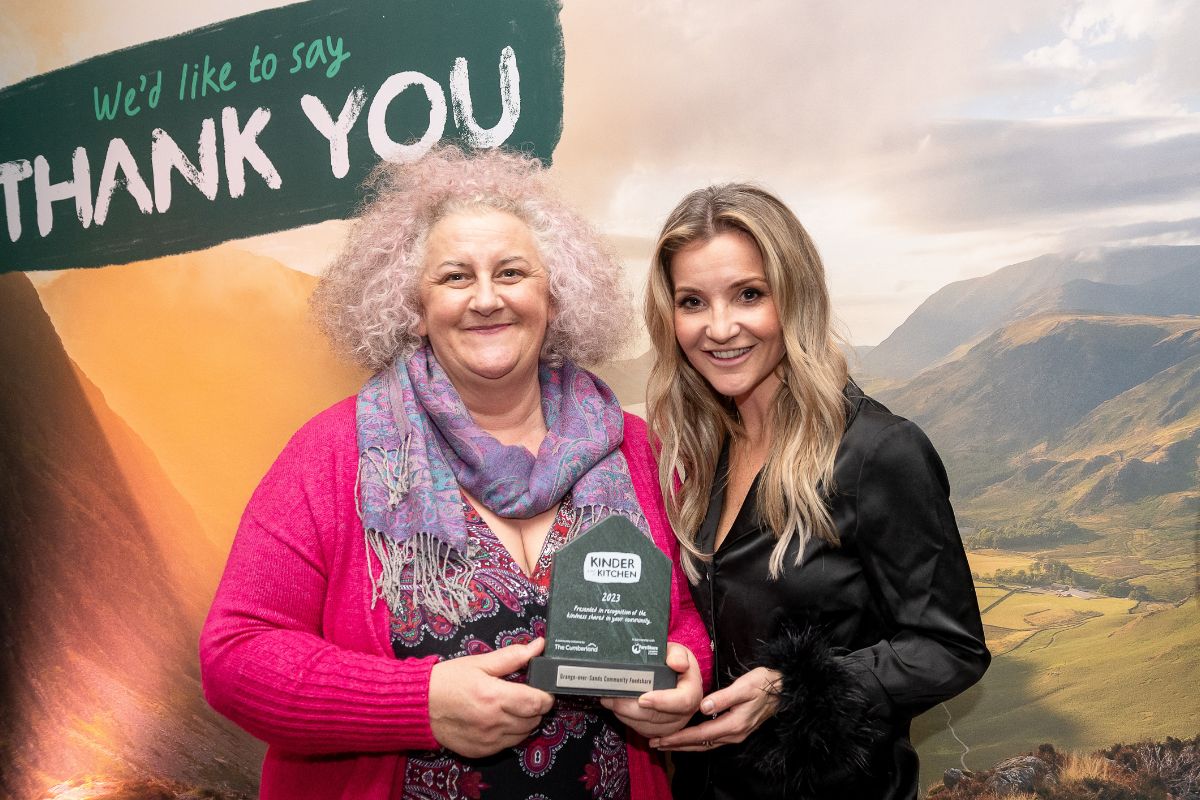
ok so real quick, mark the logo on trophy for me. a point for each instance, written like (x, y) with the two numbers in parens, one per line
(610, 599)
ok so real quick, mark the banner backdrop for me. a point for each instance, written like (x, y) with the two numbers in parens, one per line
(1006, 197)
(262, 122)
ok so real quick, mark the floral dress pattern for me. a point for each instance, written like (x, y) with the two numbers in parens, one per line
(579, 751)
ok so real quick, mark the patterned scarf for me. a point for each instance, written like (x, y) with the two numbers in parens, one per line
(418, 444)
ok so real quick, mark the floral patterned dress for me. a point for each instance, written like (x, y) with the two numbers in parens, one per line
(579, 751)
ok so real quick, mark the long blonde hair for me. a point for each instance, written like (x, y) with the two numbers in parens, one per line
(808, 412)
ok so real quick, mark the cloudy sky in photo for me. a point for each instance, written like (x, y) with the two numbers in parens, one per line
(921, 143)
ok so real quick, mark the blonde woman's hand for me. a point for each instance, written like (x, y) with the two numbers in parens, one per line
(664, 711)
(475, 712)
(738, 710)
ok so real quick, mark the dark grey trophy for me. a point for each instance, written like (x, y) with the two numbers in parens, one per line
(610, 599)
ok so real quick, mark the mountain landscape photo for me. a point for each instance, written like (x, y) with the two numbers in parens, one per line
(1063, 395)
(1072, 422)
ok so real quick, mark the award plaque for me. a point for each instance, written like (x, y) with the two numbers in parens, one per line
(610, 599)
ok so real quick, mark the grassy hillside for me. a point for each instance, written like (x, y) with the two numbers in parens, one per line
(1084, 674)
(1140, 421)
(104, 578)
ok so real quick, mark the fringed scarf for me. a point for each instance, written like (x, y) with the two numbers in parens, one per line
(418, 444)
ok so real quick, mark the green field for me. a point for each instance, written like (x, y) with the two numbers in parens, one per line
(1029, 611)
(1079, 673)
(986, 562)
(987, 594)
(1151, 544)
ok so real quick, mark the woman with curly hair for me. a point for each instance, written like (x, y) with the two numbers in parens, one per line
(388, 583)
(816, 525)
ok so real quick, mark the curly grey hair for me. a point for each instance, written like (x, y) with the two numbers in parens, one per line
(367, 302)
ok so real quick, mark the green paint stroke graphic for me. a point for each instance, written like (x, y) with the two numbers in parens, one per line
(263, 122)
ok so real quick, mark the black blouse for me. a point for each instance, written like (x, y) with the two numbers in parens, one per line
(893, 605)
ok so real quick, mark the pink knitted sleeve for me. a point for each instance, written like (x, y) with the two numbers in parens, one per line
(686, 626)
(289, 651)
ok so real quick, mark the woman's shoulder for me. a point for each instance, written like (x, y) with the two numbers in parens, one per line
(873, 429)
(336, 420)
(330, 434)
(315, 469)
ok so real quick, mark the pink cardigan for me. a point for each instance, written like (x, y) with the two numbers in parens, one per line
(293, 652)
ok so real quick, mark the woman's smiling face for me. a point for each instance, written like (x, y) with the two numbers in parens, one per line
(485, 297)
(725, 318)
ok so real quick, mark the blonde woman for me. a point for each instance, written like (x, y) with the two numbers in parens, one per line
(816, 527)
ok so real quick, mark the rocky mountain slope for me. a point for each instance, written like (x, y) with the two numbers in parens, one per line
(1139, 280)
(211, 357)
(98, 617)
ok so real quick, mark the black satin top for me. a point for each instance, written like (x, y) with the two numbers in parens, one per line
(896, 594)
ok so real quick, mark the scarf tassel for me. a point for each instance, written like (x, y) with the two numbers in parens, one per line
(392, 471)
(439, 581)
(441, 577)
